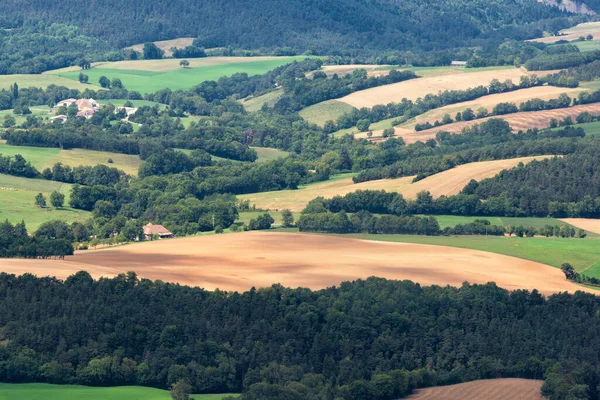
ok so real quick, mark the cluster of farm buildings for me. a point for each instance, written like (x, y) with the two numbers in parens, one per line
(86, 109)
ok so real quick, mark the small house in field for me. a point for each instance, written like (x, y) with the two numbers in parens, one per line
(458, 64)
(61, 118)
(129, 111)
(66, 103)
(150, 230)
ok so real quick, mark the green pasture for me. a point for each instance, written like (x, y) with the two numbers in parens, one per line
(588, 45)
(583, 254)
(453, 220)
(37, 111)
(145, 81)
(255, 103)
(42, 157)
(17, 202)
(268, 153)
(590, 128)
(246, 216)
(329, 110)
(37, 391)
(264, 154)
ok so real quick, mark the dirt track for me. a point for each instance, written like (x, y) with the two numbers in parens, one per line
(242, 260)
(489, 389)
(447, 183)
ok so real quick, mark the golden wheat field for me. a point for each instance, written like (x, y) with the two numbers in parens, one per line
(447, 183)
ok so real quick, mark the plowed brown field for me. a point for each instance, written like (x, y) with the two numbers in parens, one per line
(488, 102)
(489, 389)
(518, 121)
(420, 87)
(243, 260)
(447, 183)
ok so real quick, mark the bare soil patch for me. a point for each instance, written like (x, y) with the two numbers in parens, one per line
(488, 389)
(447, 183)
(165, 45)
(420, 87)
(518, 121)
(587, 224)
(243, 260)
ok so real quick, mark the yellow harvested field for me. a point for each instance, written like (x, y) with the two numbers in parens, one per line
(372, 69)
(165, 45)
(420, 87)
(447, 183)
(588, 224)
(488, 389)
(574, 33)
(520, 121)
(242, 260)
(488, 102)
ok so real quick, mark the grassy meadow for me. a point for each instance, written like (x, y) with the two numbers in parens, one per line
(255, 103)
(42, 157)
(329, 110)
(37, 111)
(36, 391)
(583, 254)
(148, 76)
(17, 202)
(453, 220)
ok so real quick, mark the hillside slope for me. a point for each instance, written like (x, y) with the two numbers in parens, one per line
(317, 24)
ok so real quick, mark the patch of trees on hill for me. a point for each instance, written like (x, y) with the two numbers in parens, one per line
(490, 140)
(370, 339)
(16, 242)
(561, 60)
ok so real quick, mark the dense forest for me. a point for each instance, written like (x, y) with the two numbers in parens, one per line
(37, 36)
(373, 339)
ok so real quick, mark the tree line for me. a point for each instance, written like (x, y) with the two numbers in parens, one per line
(16, 242)
(126, 331)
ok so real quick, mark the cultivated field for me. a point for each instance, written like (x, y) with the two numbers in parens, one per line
(447, 183)
(42, 157)
(147, 76)
(453, 220)
(259, 259)
(583, 254)
(17, 202)
(420, 87)
(574, 33)
(489, 389)
(165, 45)
(488, 102)
(43, 81)
(36, 391)
(329, 110)
(518, 121)
(588, 224)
